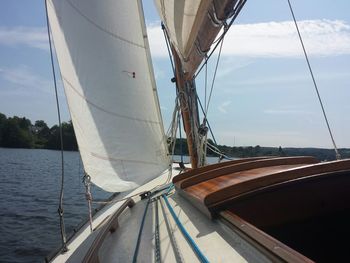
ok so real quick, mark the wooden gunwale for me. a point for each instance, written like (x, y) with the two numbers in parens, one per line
(92, 254)
(269, 244)
(244, 166)
(195, 172)
(211, 194)
(249, 184)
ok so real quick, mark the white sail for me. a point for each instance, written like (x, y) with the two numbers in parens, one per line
(104, 59)
(183, 20)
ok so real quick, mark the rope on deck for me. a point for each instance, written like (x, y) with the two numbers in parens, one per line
(190, 241)
(134, 260)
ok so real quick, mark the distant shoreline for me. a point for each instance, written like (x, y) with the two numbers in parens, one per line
(321, 154)
(19, 133)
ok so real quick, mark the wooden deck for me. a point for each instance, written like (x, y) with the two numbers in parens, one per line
(270, 200)
(211, 189)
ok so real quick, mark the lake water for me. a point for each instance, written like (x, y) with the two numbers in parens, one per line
(29, 193)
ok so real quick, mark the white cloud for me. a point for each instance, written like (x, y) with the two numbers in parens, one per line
(269, 39)
(223, 106)
(35, 37)
(275, 39)
(156, 40)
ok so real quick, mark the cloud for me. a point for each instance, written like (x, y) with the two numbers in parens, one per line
(35, 37)
(268, 39)
(156, 40)
(275, 39)
(223, 106)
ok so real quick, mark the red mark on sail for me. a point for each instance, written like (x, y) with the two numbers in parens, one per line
(131, 74)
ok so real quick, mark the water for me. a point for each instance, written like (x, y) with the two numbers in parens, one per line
(29, 193)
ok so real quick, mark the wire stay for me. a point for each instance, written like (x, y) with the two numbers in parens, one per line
(337, 154)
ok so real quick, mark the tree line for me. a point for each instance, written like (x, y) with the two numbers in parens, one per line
(19, 132)
(257, 151)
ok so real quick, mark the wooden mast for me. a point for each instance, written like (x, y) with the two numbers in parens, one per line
(185, 112)
(209, 20)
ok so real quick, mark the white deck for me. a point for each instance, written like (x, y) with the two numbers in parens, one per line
(214, 239)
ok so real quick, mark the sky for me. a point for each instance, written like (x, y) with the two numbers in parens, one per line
(263, 93)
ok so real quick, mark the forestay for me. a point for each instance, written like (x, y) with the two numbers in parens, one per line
(104, 58)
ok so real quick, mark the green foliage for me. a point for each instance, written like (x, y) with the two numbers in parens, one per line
(19, 132)
(16, 132)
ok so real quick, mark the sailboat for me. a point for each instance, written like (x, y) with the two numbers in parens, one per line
(263, 209)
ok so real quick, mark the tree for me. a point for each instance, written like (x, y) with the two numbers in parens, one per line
(281, 152)
(69, 140)
(17, 134)
(42, 134)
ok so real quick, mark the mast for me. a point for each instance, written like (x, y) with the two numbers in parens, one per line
(187, 94)
(192, 27)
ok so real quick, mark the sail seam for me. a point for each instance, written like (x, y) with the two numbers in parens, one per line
(120, 160)
(101, 28)
(104, 110)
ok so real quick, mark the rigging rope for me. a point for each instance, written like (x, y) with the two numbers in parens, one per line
(216, 150)
(179, 96)
(168, 47)
(88, 196)
(60, 207)
(157, 249)
(337, 154)
(181, 148)
(226, 28)
(215, 71)
(134, 260)
(205, 83)
(207, 122)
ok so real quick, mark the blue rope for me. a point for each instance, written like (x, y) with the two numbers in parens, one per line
(191, 242)
(134, 259)
(171, 186)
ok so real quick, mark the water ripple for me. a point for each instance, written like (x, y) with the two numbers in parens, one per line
(29, 191)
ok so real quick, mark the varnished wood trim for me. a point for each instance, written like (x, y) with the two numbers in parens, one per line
(92, 254)
(244, 166)
(270, 244)
(274, 178)
(193, 172)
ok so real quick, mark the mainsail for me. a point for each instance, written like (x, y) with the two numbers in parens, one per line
(193, 25)
(104, 59)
